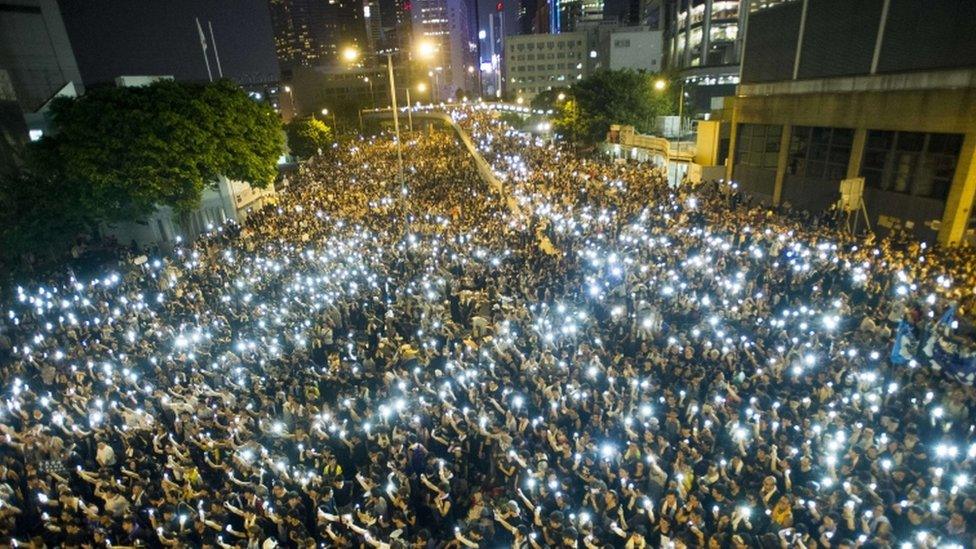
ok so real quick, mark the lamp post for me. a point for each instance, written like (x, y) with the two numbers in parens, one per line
(372, 99)
(325, 112)
(435, 85)
(424, 50)
(396, 120)
(661, 85)
(291, 100)
(409, 110)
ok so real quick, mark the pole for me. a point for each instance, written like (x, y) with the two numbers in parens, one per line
(203, 46)
(681, 120)
(372, 98)
(409, 110)
(213, 41)
(396, 119)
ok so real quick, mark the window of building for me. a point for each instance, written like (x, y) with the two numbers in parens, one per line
(757, 145)
(723, 33)
(622, 43)
(820, 153)
(915, 163)
(727, 9)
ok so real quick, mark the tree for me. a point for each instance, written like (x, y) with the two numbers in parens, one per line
(612, 97)
(550, 99)
(306, 136)
(568, 122)
(133, 149)
(41, 215)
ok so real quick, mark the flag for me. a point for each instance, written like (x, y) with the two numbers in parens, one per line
(948, 356)
(901, 351)
(949, 315)
(950, 359)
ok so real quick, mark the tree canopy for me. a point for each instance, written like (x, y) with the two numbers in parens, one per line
(610, 97)
(134, 148)
(115, 154)
(307, 136)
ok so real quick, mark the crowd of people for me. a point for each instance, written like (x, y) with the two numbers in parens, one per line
(576, 354)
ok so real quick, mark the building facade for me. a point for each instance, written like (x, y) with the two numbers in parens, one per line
(314, 32)
(35, 51)
(538, 62)
(395, 24)
(493, 53)
(450, 25)
(637, 48)
(877, 89)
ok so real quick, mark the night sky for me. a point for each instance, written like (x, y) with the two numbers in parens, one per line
(159, 37)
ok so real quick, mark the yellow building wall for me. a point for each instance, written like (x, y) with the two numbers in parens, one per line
(706, 150)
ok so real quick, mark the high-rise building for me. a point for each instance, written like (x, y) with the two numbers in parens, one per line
(538, 62)
(524, 16)
(35, 51)
(637, 48)
(449, 25)
(395, 25)
(374, 25)
(556, 16)
(651, 13)
(493, 52)
(834, 89)
(703, 44)
(313, 32)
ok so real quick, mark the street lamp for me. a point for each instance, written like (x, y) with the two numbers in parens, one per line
(660, 85)
(350, 54)
(426, 49)
(372, 98)
(325, 112)
(291, 100)
(421, 87)
(561, 96)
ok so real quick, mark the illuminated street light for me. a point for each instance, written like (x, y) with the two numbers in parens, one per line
(421, 87)
(426, 49)
(350, 54)
(660, 84)
(561, 96)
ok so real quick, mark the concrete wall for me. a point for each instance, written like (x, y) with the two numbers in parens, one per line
(226, 200)
(637, 49)
(809, 193)
(757, 182)
(930, 110)
(934, 102)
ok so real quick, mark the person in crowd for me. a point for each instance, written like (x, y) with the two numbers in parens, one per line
(575, 354)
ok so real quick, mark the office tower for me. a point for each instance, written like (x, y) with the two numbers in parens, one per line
(449, 25)
(314, 32)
